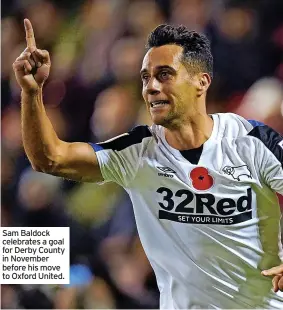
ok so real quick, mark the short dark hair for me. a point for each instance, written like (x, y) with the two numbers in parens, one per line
(196, 46)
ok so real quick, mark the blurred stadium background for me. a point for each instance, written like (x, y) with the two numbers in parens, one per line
(94, 93)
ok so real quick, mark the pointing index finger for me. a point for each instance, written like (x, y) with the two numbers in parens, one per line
(29, 36)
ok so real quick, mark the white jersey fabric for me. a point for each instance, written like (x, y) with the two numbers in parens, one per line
(209, 218)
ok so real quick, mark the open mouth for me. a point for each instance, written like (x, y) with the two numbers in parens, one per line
(158, 103)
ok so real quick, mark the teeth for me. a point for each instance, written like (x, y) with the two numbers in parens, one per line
(160, 102)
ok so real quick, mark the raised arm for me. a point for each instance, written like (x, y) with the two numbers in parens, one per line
(46, 152)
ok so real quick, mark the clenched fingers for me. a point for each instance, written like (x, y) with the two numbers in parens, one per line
(22, 66)
(275, 282)
(28, 56)
(42, 56)
(26, 59)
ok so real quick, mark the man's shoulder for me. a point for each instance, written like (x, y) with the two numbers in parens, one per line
(251, 127)
(247, 132)
(233, 119)
(267, 138)
(132, 138)
(232, 126)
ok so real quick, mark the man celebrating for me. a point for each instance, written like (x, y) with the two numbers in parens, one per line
(203, 186)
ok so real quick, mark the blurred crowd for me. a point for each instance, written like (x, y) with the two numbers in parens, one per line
(94, 93)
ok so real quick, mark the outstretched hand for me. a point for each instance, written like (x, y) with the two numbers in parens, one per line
(277, 274)
(32, 67)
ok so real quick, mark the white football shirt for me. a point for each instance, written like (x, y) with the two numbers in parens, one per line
(208, 218)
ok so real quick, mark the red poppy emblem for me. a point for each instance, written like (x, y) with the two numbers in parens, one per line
(201, 179)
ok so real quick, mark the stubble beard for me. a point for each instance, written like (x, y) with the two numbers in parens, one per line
(171, 121)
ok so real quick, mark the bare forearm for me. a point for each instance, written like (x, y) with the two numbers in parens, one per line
(39, 138)
(46, 152)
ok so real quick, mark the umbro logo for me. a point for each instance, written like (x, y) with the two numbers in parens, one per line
(166, 172)
(166, 169)
(281, 144)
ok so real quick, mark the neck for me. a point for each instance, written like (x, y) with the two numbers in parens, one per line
(191, 134)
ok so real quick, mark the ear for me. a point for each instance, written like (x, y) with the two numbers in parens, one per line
(204, 81)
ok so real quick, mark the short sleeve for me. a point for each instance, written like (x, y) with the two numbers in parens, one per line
(271, 156)
(273, 172)
(119, 158)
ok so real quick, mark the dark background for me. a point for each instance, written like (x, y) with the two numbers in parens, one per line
(94, 93)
